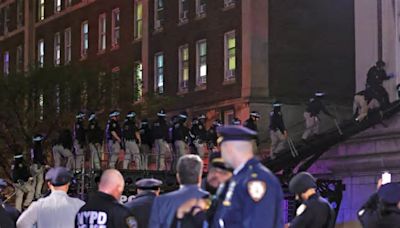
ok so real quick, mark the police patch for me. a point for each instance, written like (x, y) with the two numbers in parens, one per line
(300, 210)
(131, 222)
(114, 125)
(256, 189)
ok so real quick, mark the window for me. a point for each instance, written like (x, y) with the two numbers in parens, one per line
(138, 81)
(58, 100)
(115, 33)
(20, 13)
(183, 11)
(200, 8)
(67, 45)
(57, 6)
(57, 49)
(229, 3)
(230, 55)
(159, 73)
(20, 59)
(102, 33)
(41, 106)
(183, 68)
(41, 53)
(201, 62)
(158, 14)
(138, 19)
(41, 10)
(6, 63)
(115, 86)
(84, 39)
(6, 15)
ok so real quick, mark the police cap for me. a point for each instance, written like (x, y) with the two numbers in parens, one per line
(301, 183)
(277, 104)
(148, 184)
(390, 193)
(235, 133)
(80, 115)
(217, 123)
(37, 138)
(255, 114)
(183, 115)
(131, 114)
(92, 116)
(58, 176)
(201, 117)
(114, 113)
(236, 121)
(319, 94)
(161, 113)
(216, 161)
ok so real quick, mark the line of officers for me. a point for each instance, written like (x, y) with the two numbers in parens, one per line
(158, 139)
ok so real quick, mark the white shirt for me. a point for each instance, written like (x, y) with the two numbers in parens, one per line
(57, 210)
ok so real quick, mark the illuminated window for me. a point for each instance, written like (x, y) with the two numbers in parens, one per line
(6, 63)
(201, 7)
(183, 10)
(41, 10)
(57, 6)
(183, 68)
(138, 21)
(201, 62)
(84, 39)
(159, 73)
(57, 49)
(41, 53)
(115, 25)
(67, 45)
(230, 55)
(102, 32)
(158, 14)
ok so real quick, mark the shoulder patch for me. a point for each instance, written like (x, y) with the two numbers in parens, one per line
(256, 189)
(131, 222)
(300, 210)
(114, 125)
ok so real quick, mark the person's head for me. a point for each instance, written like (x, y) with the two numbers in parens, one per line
(218, 173)
(112, 183)
(303, 185)
(18, 153)
(277, 106)
(236, 144)
(80, 116)
(255, 115)
(130, 115)
(189, 169)
(114, 115)
(58, 179)
(380, 64)
(144, 123)
(236, 121)
(92, 116)
(161, 114)
(183, 117)
(319, 95)
(202, 118)
(37, 139)
(389, 194)
(148, 185)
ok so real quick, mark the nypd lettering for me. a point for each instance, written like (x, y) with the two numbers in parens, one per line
(92, 219)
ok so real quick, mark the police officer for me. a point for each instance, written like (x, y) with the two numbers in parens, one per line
(236, 121)
(160, 136)
(217, 173)
(254, 196)
(375, 77)
(314, 107)
(38, 164)
(277, 129)
(147, 190)
(180, 135)
(8, 214)
(114, 137)
(314, 210)
(103, 208)
(95, 139)
(62, 148)
(132, 138)
(200, 135)
(57, 209)
(147, 142)
(212, 135)
(79, 140)
(22, 178)
(383, 208)
(251, 123)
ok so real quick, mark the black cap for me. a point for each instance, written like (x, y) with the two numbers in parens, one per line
(319, 94)
(80, 115)
(183, 115)
(92, 116)
(255, 114)
(161, 113)
(58, 176)
(148, 184)
(216, 161)
(114, 113)
(390, 193)
(236, 121)
(144, 121)
(131, 115)
(276, 104)
(235, 133)
(301, 183)
(37, 138)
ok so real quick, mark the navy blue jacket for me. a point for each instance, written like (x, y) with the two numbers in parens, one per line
(141, 207)
(165, 206)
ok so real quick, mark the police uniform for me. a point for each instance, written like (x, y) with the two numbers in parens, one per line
(95, 139)
(160, 136)
(8, 214)
(131, 147)
(79, 141)
(200, 133)
(277, 129)
(38, 164)
(147, 142)
(212, 135)
(23, 181)
(103, 210)
(360, 106)
(253, 196)
(251, 122)
(313, 212)
(180, 136)
(236, 121)
(114, 146)
(314, 107)
(63, 149)
(55, 210)
(141, 205)
(382, 210)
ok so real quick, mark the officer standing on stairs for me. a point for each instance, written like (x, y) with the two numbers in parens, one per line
(251, 123)
(200, 132)
(212, 135)
(278, 132)
(180, 135)
(314, 210)
(22, 179)
(114, 137)
(95, 140)
(38, 164)
(79, 141)
(63, 148)
(147, 142)
(132, 138)
(160, 135)
(314, 107)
